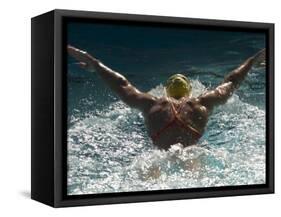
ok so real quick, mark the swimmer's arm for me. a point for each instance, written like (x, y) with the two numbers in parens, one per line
(117, 82)
(232, 81)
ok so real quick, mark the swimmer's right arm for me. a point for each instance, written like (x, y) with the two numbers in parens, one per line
(232, 81)
(117, 82)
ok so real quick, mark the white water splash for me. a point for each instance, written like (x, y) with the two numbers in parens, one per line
(111, 152)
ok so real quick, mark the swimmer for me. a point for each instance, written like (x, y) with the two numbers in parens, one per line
(178, 117)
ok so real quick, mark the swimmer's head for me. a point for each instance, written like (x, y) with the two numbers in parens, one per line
(178, 86)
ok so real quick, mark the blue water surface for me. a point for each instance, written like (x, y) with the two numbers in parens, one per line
(108, 146)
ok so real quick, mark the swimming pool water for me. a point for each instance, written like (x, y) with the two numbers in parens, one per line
(108, 146)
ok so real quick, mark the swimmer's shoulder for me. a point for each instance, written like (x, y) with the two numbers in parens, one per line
(160, 105)
(162, 101)
(197, 105)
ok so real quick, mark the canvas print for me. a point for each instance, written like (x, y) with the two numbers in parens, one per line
(162, 107)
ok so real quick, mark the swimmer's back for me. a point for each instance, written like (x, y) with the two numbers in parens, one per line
(186, 128)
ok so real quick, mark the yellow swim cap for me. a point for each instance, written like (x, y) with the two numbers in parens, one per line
(178, 86)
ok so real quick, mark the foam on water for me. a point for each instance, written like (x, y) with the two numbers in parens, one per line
(111, 151)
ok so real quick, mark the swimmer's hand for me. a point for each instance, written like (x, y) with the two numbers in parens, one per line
(86, 61)
(260, 58)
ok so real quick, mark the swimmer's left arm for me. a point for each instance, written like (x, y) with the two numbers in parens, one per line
(117, 82)
(232, 81)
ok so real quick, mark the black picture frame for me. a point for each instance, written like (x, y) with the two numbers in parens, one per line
(48, 147)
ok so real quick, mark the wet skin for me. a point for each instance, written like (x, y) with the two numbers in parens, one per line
(192, 113)
(158, 112)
